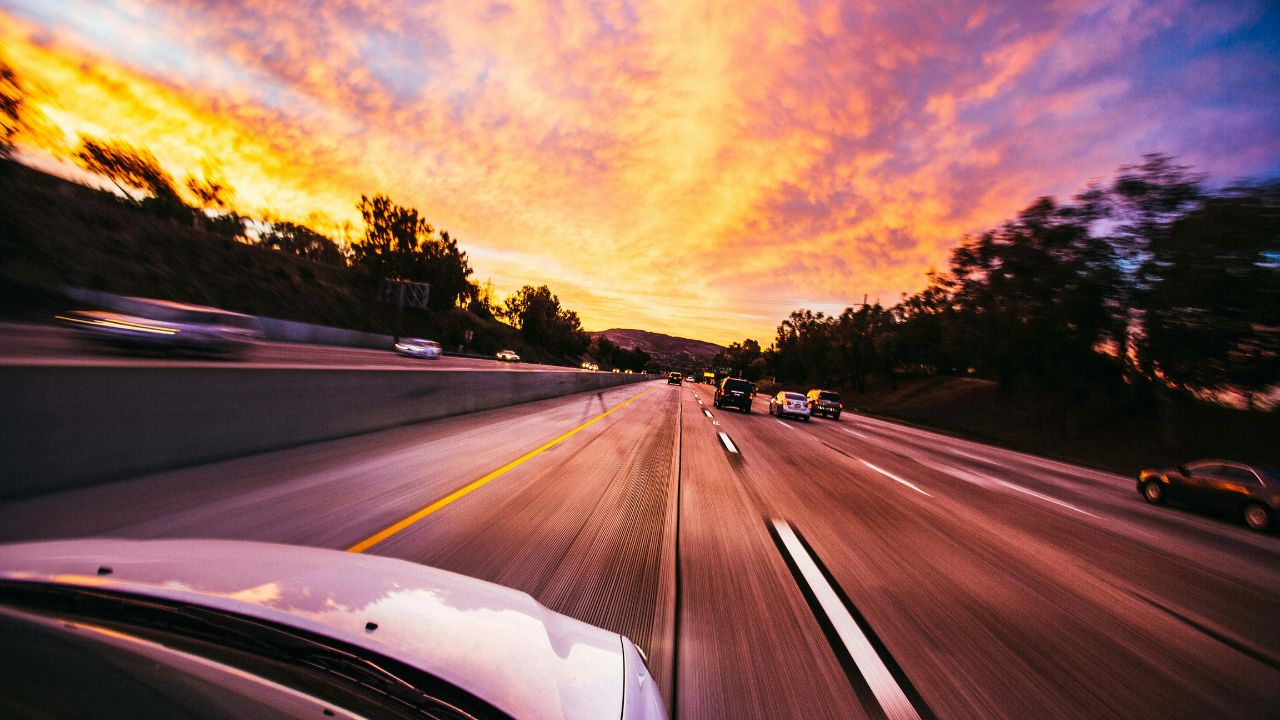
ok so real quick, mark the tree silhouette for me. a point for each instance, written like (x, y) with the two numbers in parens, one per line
(1211, 300)
(401, 245)
(302, 241)
(543, 322)
(127, 167)
(12, 99)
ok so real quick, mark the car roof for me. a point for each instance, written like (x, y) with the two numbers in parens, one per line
(174, 305)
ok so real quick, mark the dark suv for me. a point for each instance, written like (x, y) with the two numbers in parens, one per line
(734, 393)
(825, 402)
(673, 378)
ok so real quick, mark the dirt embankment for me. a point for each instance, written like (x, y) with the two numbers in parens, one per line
(1096, 431)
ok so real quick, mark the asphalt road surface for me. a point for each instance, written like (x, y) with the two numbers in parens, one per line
(32, 344)
(774, 568)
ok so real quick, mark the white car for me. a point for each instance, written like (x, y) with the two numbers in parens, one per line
(420, 348)
(791, 404)
(221, 628)
(508, 356)
(165, 326)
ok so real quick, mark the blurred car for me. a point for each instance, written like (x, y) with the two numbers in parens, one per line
(217, 628)
(170, 327)
(508, 356)
(755, 388)
(734, 392)
(688, 378)
(590, 366)
(1249, 492)
(825, 402)
(673, 378)
(419, 348)
(789, 404)
(628, 371)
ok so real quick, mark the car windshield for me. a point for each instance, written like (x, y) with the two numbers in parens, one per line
(794, 397)
(829, 396)
(737, 385)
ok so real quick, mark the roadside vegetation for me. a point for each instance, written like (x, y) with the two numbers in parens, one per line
(1142, 318)
(183, 240)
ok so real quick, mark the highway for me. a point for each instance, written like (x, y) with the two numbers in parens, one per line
(56, 346)
(773, 568)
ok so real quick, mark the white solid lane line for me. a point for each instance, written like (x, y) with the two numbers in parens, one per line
(891, 476)
(785, 425)
(855, 433)
(979, 458)
(892, 699)
(985, 480)
(728, 444)
(1042, 496)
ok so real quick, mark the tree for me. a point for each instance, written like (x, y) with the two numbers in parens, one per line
(302, 241)
(483, 300)
(1211, 302)
(400, 244)
(544, 323)
(128, 167)
(13, 98)
(1146, 199)
(212, 192)
(745, 358)
(1033, 295)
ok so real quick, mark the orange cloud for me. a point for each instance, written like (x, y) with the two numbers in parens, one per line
(698, 169)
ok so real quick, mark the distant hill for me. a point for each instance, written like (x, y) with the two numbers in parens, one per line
(671, 352)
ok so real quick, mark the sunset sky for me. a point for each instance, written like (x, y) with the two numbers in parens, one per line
(695, 168)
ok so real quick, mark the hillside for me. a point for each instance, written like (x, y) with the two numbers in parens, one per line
(56, 234)
(669, 351)
(1099, 431)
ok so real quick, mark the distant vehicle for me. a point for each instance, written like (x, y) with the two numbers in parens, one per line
(689, 378)
(190, 628)
(628, 371)
(825, 402)
(617, 370)
(1249, 492)
(419, 348)
(755, 388)
(590, 366)
(673, 378)
(508, 356)
(734, 392)
(165, 326)
(789, 404)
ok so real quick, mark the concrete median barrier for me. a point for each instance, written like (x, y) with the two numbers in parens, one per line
(65, 427)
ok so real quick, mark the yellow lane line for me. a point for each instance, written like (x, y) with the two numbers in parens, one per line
(477, 484)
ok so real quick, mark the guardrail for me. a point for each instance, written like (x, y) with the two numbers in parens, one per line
(64, 427)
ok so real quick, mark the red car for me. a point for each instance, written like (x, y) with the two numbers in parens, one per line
(1250, 492)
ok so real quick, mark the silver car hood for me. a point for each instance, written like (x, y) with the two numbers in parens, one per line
(497, 643)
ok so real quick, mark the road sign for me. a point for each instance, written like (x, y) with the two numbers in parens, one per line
(404, 292)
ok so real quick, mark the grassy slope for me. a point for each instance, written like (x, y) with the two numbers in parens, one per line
(1097, 432)
(55, 234)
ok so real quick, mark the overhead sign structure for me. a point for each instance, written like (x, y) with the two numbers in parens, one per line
(401, 293)
(404, 292)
